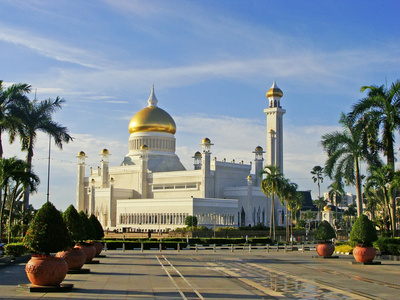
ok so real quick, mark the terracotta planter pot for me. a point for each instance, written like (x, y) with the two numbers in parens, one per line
(364, 254)
(46, 271)
(98, 246)
(74, 257)
(325, 249)
(88, 249)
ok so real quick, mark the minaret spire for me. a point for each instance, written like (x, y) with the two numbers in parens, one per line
(152, 99)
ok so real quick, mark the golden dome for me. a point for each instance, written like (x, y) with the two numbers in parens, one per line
(197, 154)
(105, 151)
(206, 141)
(152, 118)
(274, 91)
(249, 177)
(259, 148)
(327, 207)
(144, 147)
(81, 153)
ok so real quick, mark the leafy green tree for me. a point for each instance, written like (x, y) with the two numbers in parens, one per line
(378, 114)
(74, 224)
(12, 175)
(191, 221)
(346, 150)
(271, 185)
(318, 177)
(37, 116)
(90, 233)
(99, 232)
(47, 232)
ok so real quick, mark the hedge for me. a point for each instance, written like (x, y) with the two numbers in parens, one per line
(16, 249)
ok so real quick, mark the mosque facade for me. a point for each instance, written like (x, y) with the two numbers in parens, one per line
(152, 190)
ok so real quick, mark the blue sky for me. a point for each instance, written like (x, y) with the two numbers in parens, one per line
(211, 62)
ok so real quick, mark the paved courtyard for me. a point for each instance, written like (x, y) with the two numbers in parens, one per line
(221, 275)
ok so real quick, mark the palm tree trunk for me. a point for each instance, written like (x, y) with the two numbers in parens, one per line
(26, 186)
(3, 204)
(271, 216)
(358, 187)
(11, 211)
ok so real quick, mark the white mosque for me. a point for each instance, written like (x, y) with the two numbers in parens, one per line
(152, 190)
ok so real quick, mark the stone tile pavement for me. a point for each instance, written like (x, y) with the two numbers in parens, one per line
(220, 275)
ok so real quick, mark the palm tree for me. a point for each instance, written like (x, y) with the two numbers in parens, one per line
(271, 185)
(345, 151)
(37, 116)
(320, 204)
(379, 112)
(286, 191)
(380, 179)
(13, 95)
(335, 193)
(318, 177)
(12, 174)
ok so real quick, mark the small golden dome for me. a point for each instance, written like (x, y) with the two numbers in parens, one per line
(197, 154)
(274, 91)
(327, 207)
(105, 151)
(259, 148)
(81, 153)
(249, 177)
(144, 147)
(206, 141)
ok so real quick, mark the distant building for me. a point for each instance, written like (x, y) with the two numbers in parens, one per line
(152, 190)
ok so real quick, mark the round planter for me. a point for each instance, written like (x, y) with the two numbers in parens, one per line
(74, 257)
(325, 249)
(46, 271)
(88, 249)
(98, 246)
(364, 254)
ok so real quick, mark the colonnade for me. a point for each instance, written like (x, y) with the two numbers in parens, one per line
(153, 218)
(220, 219)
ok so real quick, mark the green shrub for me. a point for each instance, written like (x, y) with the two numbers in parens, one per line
(389, 246)
(98, 229)
(324, 232)
(47, 232)
(16, 249)
(74, 224)
(363, 231)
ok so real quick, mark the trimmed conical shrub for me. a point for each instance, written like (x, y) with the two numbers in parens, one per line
(47, 232)
(74, 224)
(90, 233)
(325, 232)
(363, 231)
(99, 232)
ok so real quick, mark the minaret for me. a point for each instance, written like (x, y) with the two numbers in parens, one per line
(275, 114)
(205, 166)
(258, 153)
(80, 188)
(143, 166)
(104, 168)
(197, 161)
